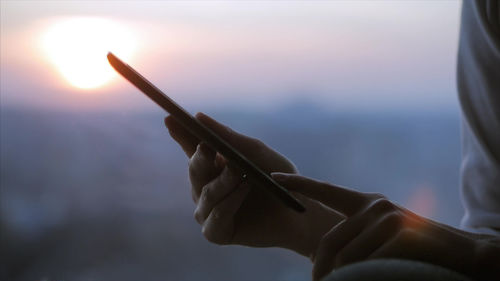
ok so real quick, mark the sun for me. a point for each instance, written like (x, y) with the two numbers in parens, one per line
(78, 46)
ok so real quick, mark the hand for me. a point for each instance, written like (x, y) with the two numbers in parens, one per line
(231, 211)
(377, 228)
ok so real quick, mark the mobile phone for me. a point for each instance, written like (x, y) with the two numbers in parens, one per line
(249, 170)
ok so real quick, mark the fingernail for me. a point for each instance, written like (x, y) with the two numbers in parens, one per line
(220, 162)
(279, 176)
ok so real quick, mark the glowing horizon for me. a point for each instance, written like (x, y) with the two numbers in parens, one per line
(349, 54)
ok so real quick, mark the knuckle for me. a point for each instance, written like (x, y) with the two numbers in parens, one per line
(193, 168)
(206, 194)
(372, 197)
(382, 205)
(376, 196)
(216, 212)
(197, 216)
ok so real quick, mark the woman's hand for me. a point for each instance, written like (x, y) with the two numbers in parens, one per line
(377, 228)
(231, 211)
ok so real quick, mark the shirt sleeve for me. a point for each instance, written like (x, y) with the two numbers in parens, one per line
(478, 81)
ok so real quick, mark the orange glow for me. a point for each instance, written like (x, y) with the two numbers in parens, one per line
(423, 201)
(77, 47)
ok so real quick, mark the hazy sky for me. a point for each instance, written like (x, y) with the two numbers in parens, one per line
(344, 54)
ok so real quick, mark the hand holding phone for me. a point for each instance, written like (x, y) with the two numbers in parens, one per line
(257, 212)
(249, 170)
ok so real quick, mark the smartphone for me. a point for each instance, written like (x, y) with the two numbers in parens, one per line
(248, 169)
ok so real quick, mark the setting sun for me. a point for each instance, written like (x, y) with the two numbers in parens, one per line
(78, 46)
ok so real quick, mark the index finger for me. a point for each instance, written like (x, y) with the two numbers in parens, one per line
(186, 140)
(344, 200)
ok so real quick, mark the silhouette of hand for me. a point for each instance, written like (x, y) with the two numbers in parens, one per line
(374, 227)
(231, 211)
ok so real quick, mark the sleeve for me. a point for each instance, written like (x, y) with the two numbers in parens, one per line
(478, 82)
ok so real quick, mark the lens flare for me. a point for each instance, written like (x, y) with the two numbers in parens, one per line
(423, 201)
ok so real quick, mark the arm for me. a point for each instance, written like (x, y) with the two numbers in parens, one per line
(478, 73)
(340, 226)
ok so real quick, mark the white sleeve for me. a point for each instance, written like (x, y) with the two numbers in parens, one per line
(478, 77)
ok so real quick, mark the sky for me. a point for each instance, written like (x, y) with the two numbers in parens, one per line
(352, 55)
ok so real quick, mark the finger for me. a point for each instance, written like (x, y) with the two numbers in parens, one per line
(331, 244)
(219, 226)
(234, 138)
(262, 155)
(413, 244)
(186, 140)
(369, 240)
(215, 191)
(341, 199)
(397, 247)
(342, 244)
(202, 168)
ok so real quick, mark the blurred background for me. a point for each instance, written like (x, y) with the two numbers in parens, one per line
(358, 93)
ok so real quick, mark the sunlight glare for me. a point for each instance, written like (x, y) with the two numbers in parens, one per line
(78, 47)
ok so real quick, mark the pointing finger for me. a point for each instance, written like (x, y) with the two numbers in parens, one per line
(344, 200)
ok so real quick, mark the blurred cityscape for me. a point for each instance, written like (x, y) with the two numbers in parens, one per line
(105, 196)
